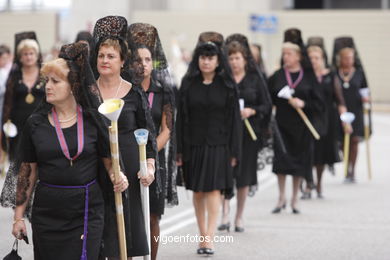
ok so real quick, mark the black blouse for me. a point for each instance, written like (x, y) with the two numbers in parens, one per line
(41, 145)
(254, 93)
(308, 90)
(208, 114)
(133, 117)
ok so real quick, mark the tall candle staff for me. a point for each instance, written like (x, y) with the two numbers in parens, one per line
(287, 93)
(365, 93)
(347, 117)
(141, 135)
(112, 108)
(247, 123)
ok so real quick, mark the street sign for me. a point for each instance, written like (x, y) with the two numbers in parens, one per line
(263, 23)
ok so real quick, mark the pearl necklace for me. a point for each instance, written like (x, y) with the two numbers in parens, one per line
(68, 120)
(118, 88)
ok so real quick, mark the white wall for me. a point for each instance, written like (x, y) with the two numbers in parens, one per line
(43, 23)
(83, 15)
(370, 30)
(219, 5)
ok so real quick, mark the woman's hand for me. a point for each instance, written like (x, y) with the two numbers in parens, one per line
(19, 228)
(247, 112)
(296, 102)
(347, 128)
(179, 159)
(149, 178)
(366, 99)
(233, 162)
(121, 184)
(342, 109)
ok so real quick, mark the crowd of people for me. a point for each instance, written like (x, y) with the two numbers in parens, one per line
(206, 134)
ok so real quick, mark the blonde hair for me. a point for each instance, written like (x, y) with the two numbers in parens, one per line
(27, 44)
(315, 48)
(291, 46)
(58, 67)
(319, 50)
(117, 46)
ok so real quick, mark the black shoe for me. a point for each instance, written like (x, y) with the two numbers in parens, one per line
(208, 251)
(349, 180)
(279, 209)
(295, 211)
(223, 227)
(239, 229)
(306, 195)
(320, 196)
(332, 170)
(201, 251)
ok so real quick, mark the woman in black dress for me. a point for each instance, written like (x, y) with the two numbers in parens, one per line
(145, 43)
(256, 51)
(110, 60)
(297, 74)
(257, 108)
(326, 150)
(352, 79)
(24, 88)
(208, 135)
(62, 144)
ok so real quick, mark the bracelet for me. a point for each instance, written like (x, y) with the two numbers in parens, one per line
(17, 220)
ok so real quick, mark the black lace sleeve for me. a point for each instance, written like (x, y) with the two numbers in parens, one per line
(337, 91)
(144, 120)
(19, 177)
(169, 111)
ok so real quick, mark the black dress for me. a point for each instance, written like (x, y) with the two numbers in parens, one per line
(250, 89)
(298, 160)
(208, 127)
(16, 108)
(353, 100)
(58, 213)
(326, 150)
(160, 99)
(131, 118)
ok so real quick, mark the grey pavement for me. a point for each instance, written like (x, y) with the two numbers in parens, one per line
(352, 222)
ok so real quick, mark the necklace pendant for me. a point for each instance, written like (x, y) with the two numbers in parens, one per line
(71, 163)
(346, 84)
(29, 98)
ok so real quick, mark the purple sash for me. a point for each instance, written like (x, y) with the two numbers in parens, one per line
(86, 187)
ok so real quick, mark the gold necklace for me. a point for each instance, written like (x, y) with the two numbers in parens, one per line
(346, 77)
(29, 98)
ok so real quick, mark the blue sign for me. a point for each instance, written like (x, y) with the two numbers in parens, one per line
(263, 23)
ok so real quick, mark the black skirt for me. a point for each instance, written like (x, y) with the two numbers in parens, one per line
(58, 222)
(157, 201)
(246, 172)
(208, 169)
(298, 160)
(326, 150)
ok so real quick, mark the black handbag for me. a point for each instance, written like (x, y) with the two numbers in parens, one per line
(14, 252)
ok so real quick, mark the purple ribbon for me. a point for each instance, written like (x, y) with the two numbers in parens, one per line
(86, 187)
(61, 138)
(150, 99)
(290, 83)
